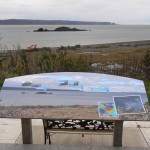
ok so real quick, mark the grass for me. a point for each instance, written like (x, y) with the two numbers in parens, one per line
(44, 60)
(147, 86)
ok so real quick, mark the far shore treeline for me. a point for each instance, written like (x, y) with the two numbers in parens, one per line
(50, 22)
(130, 61)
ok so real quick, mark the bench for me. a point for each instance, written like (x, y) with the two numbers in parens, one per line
(82, 127)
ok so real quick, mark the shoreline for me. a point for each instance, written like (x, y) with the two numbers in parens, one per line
(94, 48)
(99, 47)
(118, 46)
(105, 49)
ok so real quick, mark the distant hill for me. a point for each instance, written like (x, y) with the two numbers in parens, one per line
(50, 22)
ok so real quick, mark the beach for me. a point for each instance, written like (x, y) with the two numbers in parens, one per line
(118, 46)
(94, 48)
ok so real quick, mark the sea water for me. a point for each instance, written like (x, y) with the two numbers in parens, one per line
(14, 37)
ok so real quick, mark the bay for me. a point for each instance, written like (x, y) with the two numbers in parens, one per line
(13, 37)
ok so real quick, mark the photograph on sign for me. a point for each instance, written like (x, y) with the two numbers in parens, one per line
(129, 104)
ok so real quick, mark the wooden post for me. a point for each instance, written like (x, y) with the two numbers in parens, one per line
(26, 131)
(118, 132)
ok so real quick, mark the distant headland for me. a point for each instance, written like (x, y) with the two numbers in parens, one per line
(50, 22)
(59, 29)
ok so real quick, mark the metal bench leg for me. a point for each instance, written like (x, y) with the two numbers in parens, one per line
(49, 137)
(45, 137)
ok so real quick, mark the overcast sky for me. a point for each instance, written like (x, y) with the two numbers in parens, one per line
(118, 11)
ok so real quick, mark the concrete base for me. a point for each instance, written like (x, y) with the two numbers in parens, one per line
(60, 147)
(9, 130)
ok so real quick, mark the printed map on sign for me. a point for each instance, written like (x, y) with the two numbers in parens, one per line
(107, 109)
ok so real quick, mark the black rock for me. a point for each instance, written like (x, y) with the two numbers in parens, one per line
(41, 30)
(68, 29)
(59, 29)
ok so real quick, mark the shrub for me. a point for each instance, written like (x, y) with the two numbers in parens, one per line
(146, 64)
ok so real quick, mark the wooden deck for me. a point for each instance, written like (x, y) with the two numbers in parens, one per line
(132, 137)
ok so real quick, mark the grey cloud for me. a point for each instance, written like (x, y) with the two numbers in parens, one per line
(119, 11)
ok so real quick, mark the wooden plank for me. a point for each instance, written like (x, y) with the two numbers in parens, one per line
(26, 131)
(83, 132)
(118, 131)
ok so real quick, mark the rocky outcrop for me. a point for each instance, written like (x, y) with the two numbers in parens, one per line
(59, 29)
(41, 30)
(68, 29)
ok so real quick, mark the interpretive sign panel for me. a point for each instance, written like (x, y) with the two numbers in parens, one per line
(74, 95)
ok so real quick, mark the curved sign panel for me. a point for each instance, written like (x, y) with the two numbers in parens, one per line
(73, 95)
